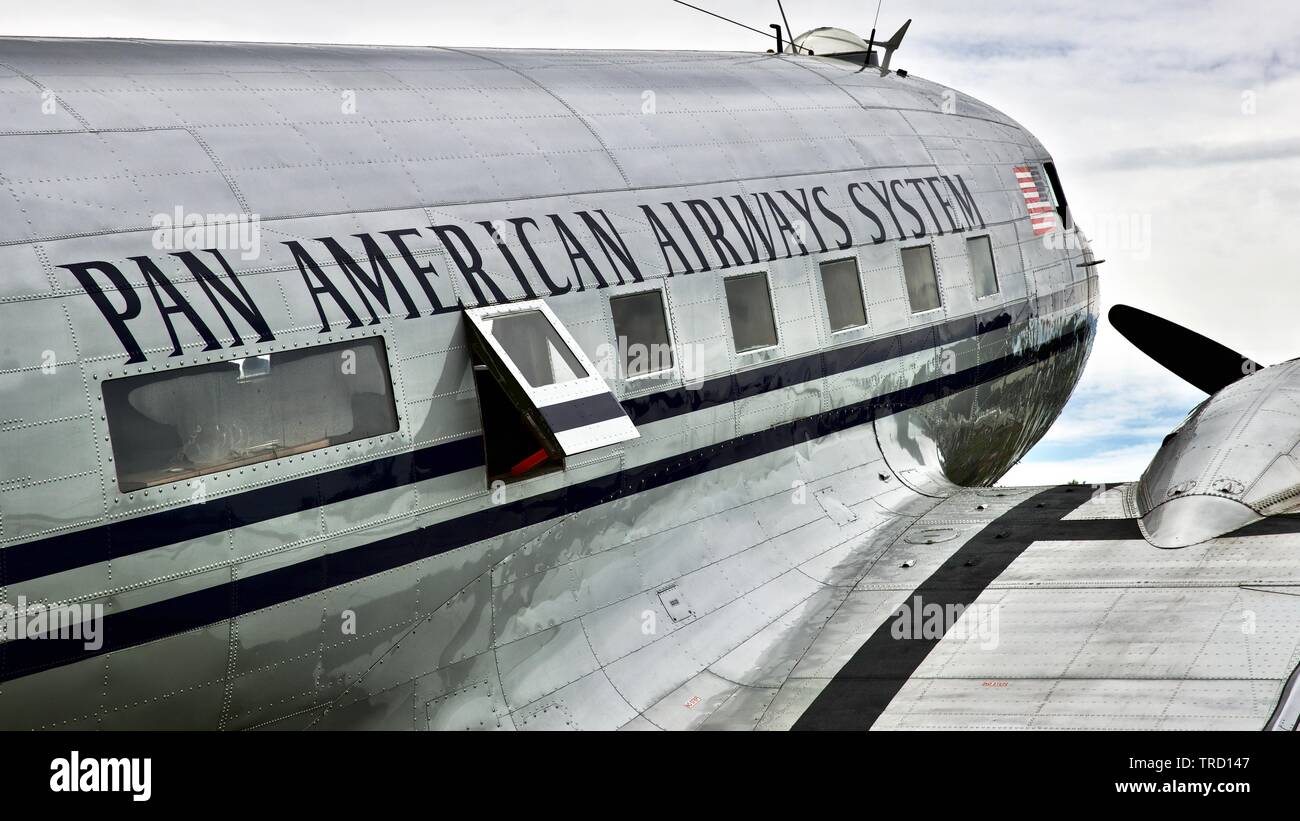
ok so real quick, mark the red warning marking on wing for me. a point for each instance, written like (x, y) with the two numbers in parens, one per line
(1041, 214)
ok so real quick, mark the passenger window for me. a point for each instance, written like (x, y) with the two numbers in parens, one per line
(641, 331)
(749, 304)
(842, 289)
(922, 283)
(980, 253)
(170, 426)
(540, 398)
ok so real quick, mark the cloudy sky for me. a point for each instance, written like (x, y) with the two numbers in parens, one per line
(1176, 127)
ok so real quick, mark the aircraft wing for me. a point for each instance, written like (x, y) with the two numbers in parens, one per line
(1069, 620)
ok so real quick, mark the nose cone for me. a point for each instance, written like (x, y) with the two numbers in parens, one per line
(1190, 520)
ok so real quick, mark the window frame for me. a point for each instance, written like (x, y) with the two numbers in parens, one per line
(862, 293)
(545, 399)
(1057, 191)
(771, 304)
(556, 390)
(663, 373)
(183, 483)
(934, 269)
(997, 281)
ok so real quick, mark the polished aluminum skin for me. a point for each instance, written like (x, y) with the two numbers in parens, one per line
(714, 570)
(1094, 628)
(1233, 461)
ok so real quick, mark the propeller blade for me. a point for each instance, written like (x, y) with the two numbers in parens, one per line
(1197, 359)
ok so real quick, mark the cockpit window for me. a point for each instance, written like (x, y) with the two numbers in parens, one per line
(175, 425)
(1058, 193)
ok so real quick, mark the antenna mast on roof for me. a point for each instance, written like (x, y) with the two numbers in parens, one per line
(789, 30)
(871, 41)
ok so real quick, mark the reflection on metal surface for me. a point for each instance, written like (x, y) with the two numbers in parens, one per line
(972, 439)
(701, 543)
(1189, 520)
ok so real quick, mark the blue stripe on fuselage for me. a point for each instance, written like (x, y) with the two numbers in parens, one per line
(245, 595)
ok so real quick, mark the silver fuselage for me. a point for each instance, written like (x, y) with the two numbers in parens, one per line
(478, 177)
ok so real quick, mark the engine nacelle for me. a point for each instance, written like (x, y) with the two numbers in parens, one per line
(1234, 460)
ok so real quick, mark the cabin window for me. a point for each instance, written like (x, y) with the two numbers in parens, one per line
(175, 425)
(540, 398)
(922, 282)
(842, 288)
(749, 304)
(979, 250)
(641, 331)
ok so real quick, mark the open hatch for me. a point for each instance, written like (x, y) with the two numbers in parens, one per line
(540, 398)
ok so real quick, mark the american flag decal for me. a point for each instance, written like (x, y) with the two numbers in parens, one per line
(1041, 214)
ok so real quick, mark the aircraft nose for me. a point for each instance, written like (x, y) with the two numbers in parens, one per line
(1191, 520)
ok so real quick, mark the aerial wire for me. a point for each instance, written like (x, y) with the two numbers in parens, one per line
(728, 19)
(735, 22)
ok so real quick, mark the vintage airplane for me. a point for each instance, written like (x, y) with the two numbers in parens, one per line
(434, 388)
